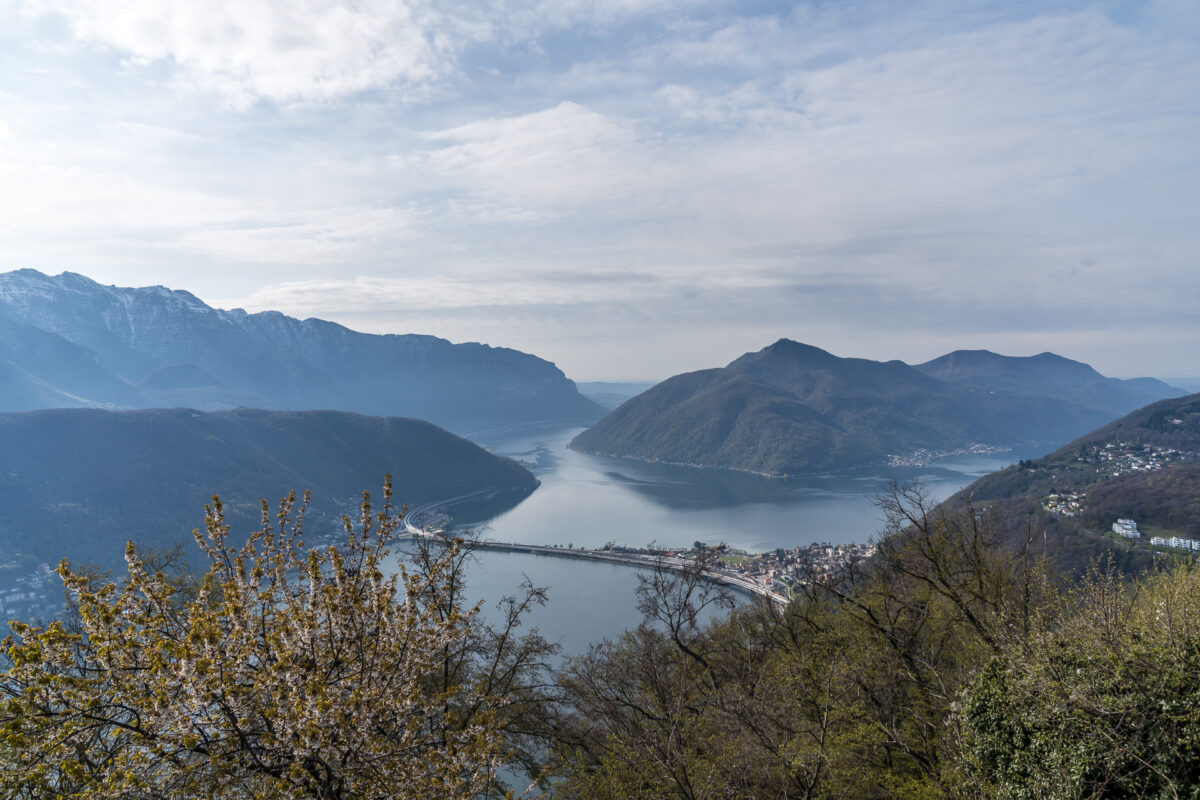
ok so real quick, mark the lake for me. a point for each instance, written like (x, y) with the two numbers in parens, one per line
(587, 501)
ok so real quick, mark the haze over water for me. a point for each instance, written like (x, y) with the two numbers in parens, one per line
(588, 500)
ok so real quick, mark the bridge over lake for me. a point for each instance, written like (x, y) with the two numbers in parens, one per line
(639, 560)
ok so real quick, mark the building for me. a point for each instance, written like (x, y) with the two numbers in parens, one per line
(1176, 541)
(1127, 528)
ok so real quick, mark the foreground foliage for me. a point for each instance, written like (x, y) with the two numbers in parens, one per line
(944, 667)
(284, 673)
(845, 693)
(1102, 700)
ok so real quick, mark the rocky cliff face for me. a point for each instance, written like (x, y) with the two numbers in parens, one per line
(69, 341)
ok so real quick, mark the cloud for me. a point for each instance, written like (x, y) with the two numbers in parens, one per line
(331, 236)
(549, 163)
(50, 194)
(536, 291)
(288, 51)
(300, 50)
(816, 170)
(362, 295)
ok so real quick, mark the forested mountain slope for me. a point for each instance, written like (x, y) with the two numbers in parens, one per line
(792, 408)
(78, 483)
(1049, 375)
(1144, 466)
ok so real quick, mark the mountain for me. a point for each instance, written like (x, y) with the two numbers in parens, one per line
(792, 408)
(67, 341)
(1049, 375)
(1144, 466)
(610, 394)
(78, 483)
(1136, 452)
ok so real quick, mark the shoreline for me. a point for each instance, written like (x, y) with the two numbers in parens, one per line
(887, 463)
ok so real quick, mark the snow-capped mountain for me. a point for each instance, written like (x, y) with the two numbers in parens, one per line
(67, 341)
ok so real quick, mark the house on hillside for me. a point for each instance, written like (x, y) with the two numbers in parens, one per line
(1175, 541)
(1127, 528)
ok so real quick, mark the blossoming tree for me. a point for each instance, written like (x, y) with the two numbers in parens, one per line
(287, 673)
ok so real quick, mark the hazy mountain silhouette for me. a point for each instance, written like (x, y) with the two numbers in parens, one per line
(792, 408)
(1049, 375)
(78, 483)
(67, 341)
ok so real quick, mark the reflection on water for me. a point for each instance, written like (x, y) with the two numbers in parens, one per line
(588, 600)
(474, 511)
(586, 501)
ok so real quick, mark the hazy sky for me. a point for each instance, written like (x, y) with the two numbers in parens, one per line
(631, 188)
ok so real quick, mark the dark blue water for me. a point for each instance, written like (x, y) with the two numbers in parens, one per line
(589, 500)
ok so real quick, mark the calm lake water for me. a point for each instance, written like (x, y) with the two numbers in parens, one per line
(587, 500)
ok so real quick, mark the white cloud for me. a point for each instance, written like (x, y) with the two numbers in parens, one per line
(49, 195)
(330, 236)
(299, 50)
(545, 291)
(288, 51)
(542, 165)
(363, 295)
(790, 171)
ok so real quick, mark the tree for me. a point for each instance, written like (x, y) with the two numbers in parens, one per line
(494, 657)
(633, 725)
(1101, 701)
(847, 692)
(288, 674)
(940, 597)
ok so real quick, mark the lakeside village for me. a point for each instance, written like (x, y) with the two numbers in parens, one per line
(1115, 459)
(775, 573)
(39, 594)
(782, 570)
(778, 571)
(31, 595)
(923, 457)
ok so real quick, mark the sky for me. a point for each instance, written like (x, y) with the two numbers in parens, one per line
(631, 188)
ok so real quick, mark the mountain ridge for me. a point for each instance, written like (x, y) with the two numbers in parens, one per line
(78, 483)
(1047, 373)
(265, 359)
(1144, 465)
(793, 408)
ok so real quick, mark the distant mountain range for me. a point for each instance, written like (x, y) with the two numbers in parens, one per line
(1047, 375)
(67, 341)
(78, 483)
(610, 394)
(793, 408)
